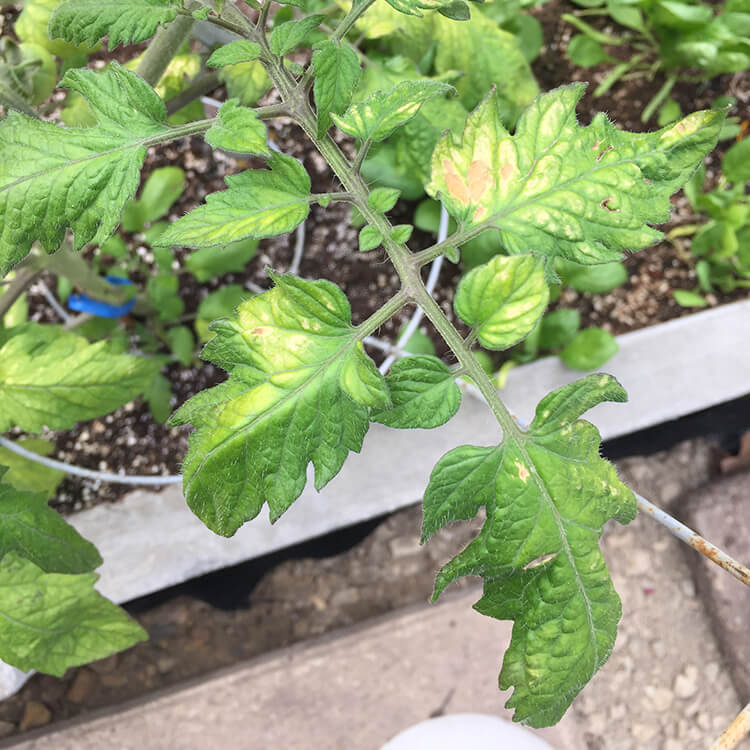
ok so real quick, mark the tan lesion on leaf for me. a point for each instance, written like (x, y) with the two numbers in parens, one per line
(457, 188)
(479, 180)
(523, 471)
(260, 331)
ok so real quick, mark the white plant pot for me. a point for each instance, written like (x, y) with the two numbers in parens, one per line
(466, 732)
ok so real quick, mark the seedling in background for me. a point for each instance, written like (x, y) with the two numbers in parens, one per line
(720, 247)
(665, 38)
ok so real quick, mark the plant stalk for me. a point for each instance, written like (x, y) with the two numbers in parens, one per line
(163, 47)
(23, 279)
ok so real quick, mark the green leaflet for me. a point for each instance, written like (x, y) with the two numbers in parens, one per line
(585, 193)
(238, 129)
(424, 394)
(25, 474)
(380, 114)
(35, 390)
(337, 71)
(124, 21)
(292, 34)
(383, 199)
(298, 391)
(258, 203)
(52, 178)
(29, 527)
(369, 238)
(503, 299)
(234, 53)
(547, 493)
(52, 621)
(489, 57)
(413, 7)
(589, 349)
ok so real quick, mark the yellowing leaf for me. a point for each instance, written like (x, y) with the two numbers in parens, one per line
(56, 378)
(298, 392)
(52, 178)
(554, 187)
(238, 129)
(380, 114)
(503, 299)
(547, 493)
(258, 203)
(51, 621)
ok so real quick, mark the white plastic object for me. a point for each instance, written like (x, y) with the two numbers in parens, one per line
(464, 732)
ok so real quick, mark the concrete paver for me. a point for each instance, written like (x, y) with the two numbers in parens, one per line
(721, 513)
(353, 692)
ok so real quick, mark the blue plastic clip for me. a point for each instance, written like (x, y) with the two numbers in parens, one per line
(83, 303)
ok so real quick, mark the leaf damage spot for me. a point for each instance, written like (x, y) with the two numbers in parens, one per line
(523, 472)
(260, 331)
(542, 560)
(605, 204)
(456, 187)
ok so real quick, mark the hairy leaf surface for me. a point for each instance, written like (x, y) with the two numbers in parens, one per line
(337, 71)
(292, 34)
(503, 299)
(258, 203)
(52, 178)
(380, 114)
(424, 394)
(57, 380)
(554, 187)
(53, 621)
(413, 7)
(234, 53)
(547, 494)
(238, 129)
(124, 21)
(29, 527)
(299, 390)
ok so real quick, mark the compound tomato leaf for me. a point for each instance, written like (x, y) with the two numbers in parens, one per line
(337, 72)
(238, 129)
(123, 21)
(379, 115)
(547, 493)
(424, 394)
(53, 621)
(258, 203)
(52, 178)
(298, 391)
(29, 527)
(35, 390)
(554, 187)
(503, 299)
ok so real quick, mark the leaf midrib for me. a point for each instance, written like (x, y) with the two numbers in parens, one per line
(519, 442)
(353, 339)
(491, 222)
